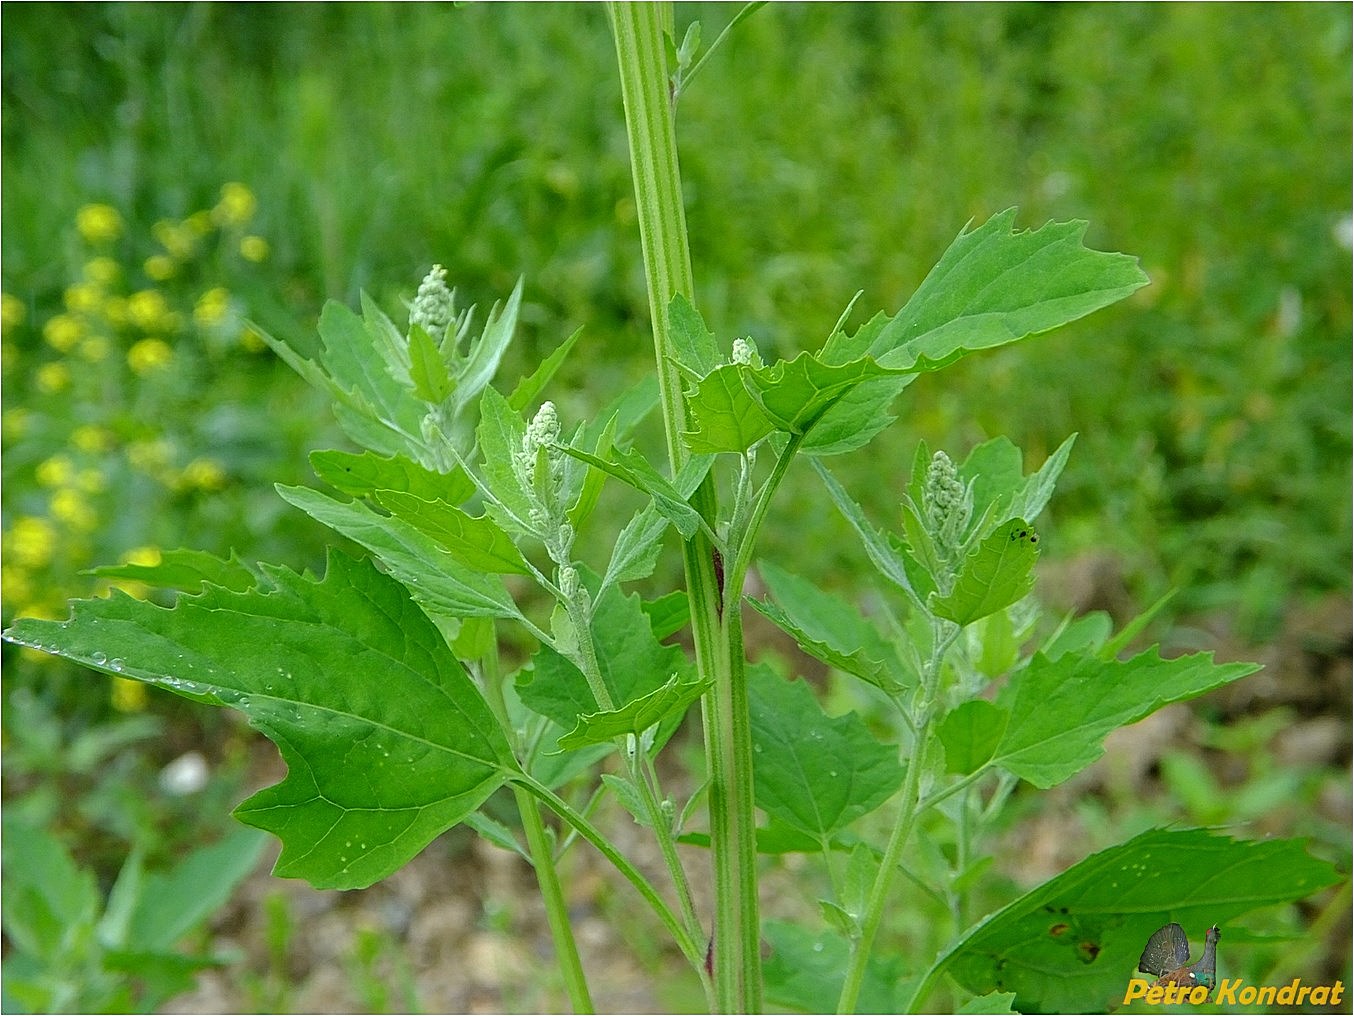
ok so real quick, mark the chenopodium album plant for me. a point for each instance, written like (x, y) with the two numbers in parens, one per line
(380, 680)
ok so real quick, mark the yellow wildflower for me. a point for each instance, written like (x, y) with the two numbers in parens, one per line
(115, 311)
(31, 542)
(236, 206)
(159, 267)
(83, 298)
(17, 584)
(148, 355)
(12, 312)
(199, 222)
(94, 349)
(176, 238)
(204, 474)
(14, 423)
(69, 506)
(57, 471)
(90, 438)
(128, 696)
(147, 310)
(53, 377)
(63, 331)
(211, 307)
(98, 223)
(252, 341)
(254, 248)
(102, 271)
(91, 480)
(148, 456)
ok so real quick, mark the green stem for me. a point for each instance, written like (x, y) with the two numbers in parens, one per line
(642, 62)
(542, 860)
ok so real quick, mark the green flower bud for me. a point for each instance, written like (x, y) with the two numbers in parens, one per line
(434, 308)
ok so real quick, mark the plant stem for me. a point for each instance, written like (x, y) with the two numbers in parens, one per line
(640, 54)
(542, 857)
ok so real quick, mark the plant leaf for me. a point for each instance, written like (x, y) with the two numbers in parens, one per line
(970, 734)
(670, 700)
(361, 474)
(828, 629)
(691, 340)
(529, 389)
(1071, 944)
(887, 557)
(724, 415)
(814, 772)
(995, 574)
(435, 578)
(1061, 709)
(181, 569)
(427, 370)
(487, 350)
(806, 969)
(854, 419)
(476, 541)
(631, 467)
(386, 739)
(994, 286)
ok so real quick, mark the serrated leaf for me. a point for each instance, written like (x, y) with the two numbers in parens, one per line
(529, 389)
(632, 468)
(970, 734)
(353, 358)
(181, 569)
(795, 394)
(500, 434)
(435, 578)
(811, 771)
(362, 474)
(474, 540)
(1071, 944)
(669, 701)
(637, 547)
(691, 340)
(994, 286)
(887, 558)
(724, 415)
(854, 419)
(1061, 709)
(386, 739)
(995, 574)
(669, 613)
(487, 350)
(629, 798)
(427, 370)
(828, 629)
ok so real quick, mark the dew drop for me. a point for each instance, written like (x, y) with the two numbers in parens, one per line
(99, 659)
(116, 664)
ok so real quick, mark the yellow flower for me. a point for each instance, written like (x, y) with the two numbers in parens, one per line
(199, 222)
(14, 423)
(147, 557)
(98, 223)
(176, 238)
(148, 310)
(115, 311)
(102, 271)
(148, 456)
(94, 349)
(204, 474)
(31, 542)
(128, 696)
(69, 506)
(159, 267)
(252, 341)
(91, 480)
(17, 584)
(148, 355)
(211, 307)
(83, 298)
(236, 206)
(90, 439)
(254, 248)
(12, 312)
(58, 471)
(63, 331)
(53, 377)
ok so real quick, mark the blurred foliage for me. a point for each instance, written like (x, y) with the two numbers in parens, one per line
(827, 149)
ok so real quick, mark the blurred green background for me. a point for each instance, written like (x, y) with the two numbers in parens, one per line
(172, 173)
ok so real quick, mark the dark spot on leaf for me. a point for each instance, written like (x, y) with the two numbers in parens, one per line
(1088, 951)
(1058, 929)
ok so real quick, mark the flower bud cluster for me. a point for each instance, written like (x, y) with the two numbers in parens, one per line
(745, 353)
(947, 504)
(539, 467)
(434, 307)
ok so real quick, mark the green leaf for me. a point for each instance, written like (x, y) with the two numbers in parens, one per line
(811, 771)
(994, 575)
(427, 370)
(856, 417)
(828, 629)
(970, 734)
(637, 547)
(632, 661)
(888, 558)
(631, 467)
(49, 904)
(362, 474)
(487, 350)
(669, 613)
(500, 434)
(475, 541)
(173, 903)
(386, 738)
(796, 393)
(691, 340)
(353, 358)
(998, 1003)
(994, 286)
(724, 415)
(529, 389)
(805, 972)
(668, 701)
(187, 570)
(435, 578)
(1071, 944)
(1061, 709)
